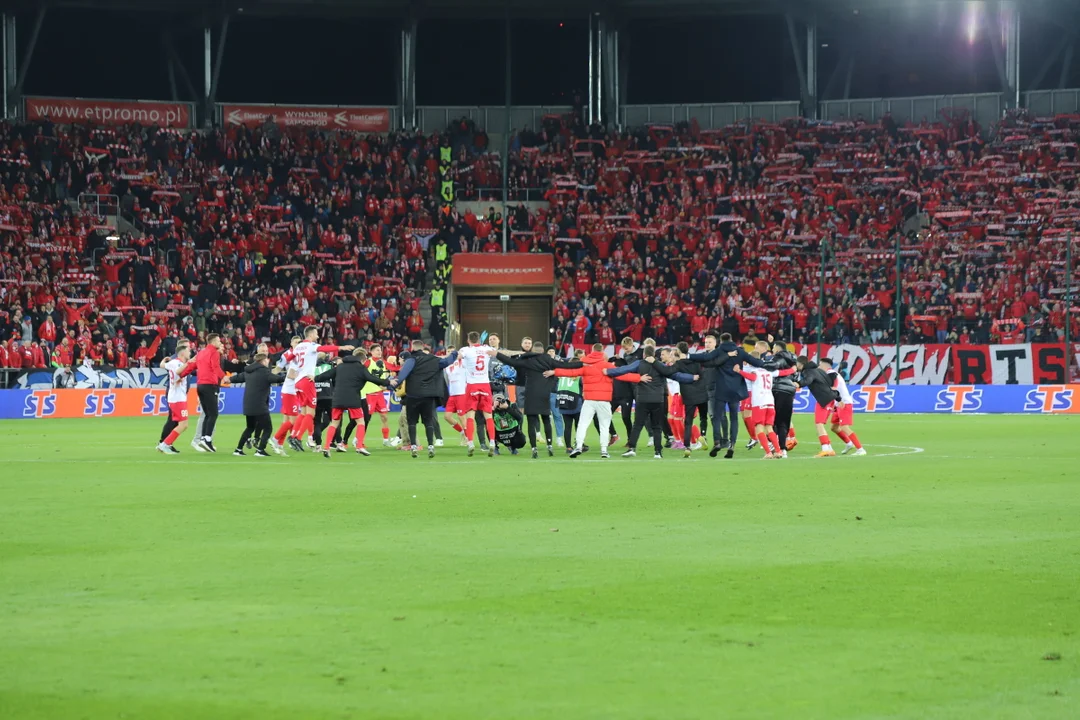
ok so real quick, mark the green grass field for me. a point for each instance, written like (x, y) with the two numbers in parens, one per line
(938, 578)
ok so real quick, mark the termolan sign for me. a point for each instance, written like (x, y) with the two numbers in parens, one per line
(357, 119)
(65, 111)
(498, 269)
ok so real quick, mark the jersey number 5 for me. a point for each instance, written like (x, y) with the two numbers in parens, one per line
(481, 363)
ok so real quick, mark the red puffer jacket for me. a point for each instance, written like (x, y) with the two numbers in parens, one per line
(595, 384)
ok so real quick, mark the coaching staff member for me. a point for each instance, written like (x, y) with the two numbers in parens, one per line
(209, 378)
(424, 388)
(784, 389)
(729, 391)
(257, 379)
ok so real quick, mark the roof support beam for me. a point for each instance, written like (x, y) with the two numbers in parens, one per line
(177, 65)
(211, 91)
(28, 55)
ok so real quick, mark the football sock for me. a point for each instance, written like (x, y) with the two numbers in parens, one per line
(749, 426)
(775, 441)
(842, 435)
(761, 438)
(824, 440)
(791, 432)
(457, 427)
(282, 431)
(385, 433)
(490, 424)
(855, 441)
(171, 437)
(330, 437)
(470, 429)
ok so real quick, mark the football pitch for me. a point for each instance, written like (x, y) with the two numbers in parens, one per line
(938, 577)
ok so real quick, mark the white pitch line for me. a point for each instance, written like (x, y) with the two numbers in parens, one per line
(904, 450)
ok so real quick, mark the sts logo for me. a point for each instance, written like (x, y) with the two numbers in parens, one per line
(1048, 399)
(959, 398)
(99, 403)
(40, 404)
(873, 398)
(803, 401)
(155, 404)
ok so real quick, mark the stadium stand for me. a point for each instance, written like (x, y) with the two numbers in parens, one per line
(664, 231)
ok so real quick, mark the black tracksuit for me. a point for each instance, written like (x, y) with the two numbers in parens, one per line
(531, 367)
(651, 403)
(257, 380)
(695, 397)
(425, 386)
(813, 377)
(350, 376)
(784, 389)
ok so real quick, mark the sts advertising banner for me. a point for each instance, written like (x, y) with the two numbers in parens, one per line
(944, 399)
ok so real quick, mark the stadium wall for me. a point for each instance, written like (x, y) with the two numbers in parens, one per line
(939, 399)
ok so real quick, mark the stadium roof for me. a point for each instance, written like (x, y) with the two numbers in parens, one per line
(474, 8)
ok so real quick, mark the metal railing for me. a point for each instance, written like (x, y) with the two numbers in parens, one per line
(986, 108)
(494, 194)
(433, 118)
(1052, 102)
(709, 116)
(106, 206)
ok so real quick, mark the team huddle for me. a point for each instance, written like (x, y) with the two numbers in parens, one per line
(657, 390)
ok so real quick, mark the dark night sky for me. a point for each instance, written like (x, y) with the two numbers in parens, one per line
(351, 61)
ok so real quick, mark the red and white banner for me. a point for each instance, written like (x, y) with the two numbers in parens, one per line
(354, 118)
(499, 269)
(1016, 364)
(66, 111)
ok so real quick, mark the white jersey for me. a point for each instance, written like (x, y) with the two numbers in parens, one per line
(475, 361)
(840, 385)
(673, 388)
(306, 357)
(761, 386)
(178, 384)
(455, 378)
(289, 386)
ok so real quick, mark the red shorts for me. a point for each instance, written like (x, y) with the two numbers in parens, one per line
(764, 416)
(843, 416)
(745, 405)
(356, 414)
(676, 408)
(306, 394)
(178, 411)
(821, 414)
(376, 403)
(457, 404)
(478, 397)
(289, 406)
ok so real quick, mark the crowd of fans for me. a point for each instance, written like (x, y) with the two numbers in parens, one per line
(663, 231)
(671, 231)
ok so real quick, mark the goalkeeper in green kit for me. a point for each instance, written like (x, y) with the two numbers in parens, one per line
(508, 421)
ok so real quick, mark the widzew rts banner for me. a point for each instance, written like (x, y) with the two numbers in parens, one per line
(316, 117)
(86, 111)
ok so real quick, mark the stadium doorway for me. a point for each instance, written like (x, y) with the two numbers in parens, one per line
(506, 294)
